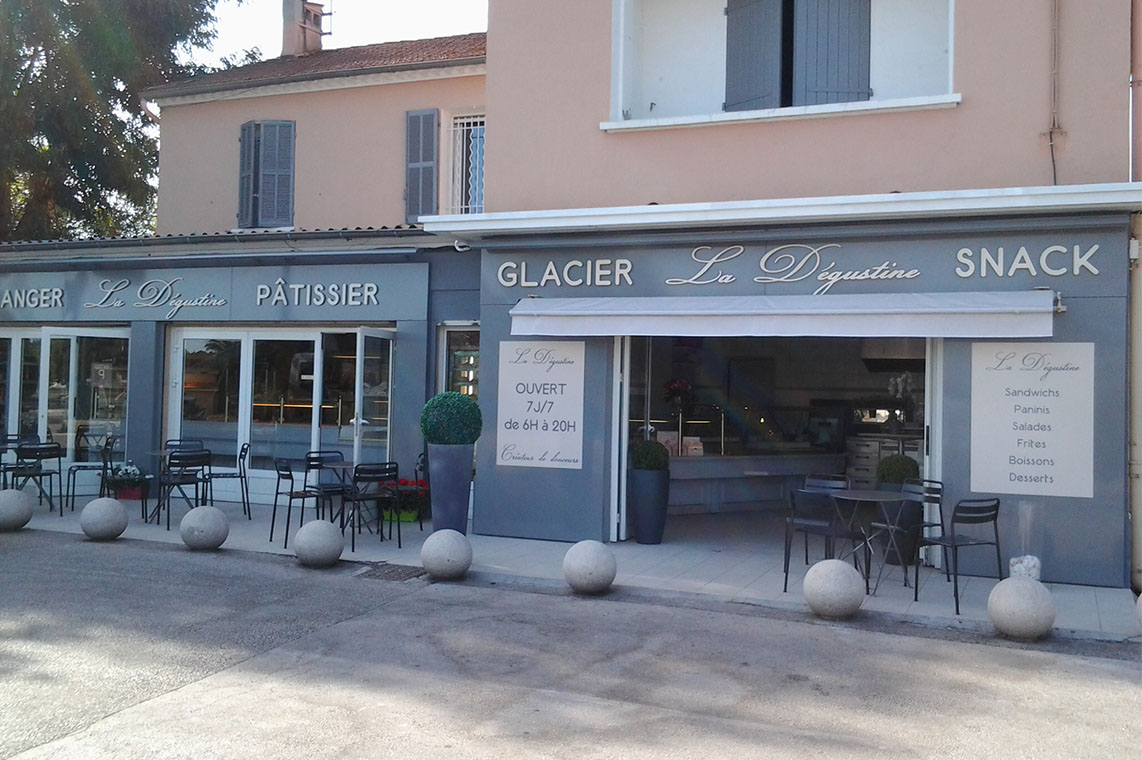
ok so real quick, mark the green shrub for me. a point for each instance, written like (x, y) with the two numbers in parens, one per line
(451, 418)
(896, 469)
(649, 455)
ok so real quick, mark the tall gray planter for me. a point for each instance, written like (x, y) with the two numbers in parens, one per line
(450, 478)
(647, 494)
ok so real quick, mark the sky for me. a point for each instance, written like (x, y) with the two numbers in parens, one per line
(258, 23)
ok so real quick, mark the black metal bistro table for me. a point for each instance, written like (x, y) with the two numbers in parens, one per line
(869, 511)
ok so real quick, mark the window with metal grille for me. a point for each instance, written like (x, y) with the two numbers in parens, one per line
(468, 164)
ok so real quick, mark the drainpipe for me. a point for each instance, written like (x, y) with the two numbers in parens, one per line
(1055, 129)
(1135, 394)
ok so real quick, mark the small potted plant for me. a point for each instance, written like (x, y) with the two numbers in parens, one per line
(451, 423)
(648, 489)
(126, 481)
(894, 470)
(414, 500)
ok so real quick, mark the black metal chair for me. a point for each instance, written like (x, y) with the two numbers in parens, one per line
(240, 475)
(929, 493)
(826, 482)
(966, 512)
(812, 512)
(33, 463)
(183, 444)
(183, 469)
(8, 445)
(324, 481)
(285, 477)
(376, 483)
(103, 467)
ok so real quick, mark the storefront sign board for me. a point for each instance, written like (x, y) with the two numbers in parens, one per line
(540, 409)
(1032, 419)
(363, 293)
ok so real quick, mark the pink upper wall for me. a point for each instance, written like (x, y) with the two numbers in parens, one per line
(350, 153)
(549, 80)
(1136, 70)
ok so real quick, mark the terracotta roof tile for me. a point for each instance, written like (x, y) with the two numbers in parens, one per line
(463, 48)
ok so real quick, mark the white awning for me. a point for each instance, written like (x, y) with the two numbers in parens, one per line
(1022, 314)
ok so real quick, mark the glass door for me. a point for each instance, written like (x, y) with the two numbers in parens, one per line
(338, 375)
(83, 389)
(372, 413)
(5, 364)
(285, 391)
(29, 388)
(282, 400)
(209, 404)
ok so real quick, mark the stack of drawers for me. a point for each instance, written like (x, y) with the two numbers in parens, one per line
(862, 456)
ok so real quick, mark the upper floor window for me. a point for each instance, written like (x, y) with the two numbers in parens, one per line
(421, 158)
(680, 58)
(265, 175)
(468, 164)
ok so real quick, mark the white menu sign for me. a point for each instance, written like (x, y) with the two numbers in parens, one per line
(540, 421)
(1032, 419)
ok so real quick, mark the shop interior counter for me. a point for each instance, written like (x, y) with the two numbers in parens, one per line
(752, 481)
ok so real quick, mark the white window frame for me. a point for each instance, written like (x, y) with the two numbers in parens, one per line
(247, 337)
(442, 331)
(460, 129)
(624, 16)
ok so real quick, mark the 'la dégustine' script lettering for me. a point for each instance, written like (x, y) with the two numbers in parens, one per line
(786, 263)
(153, 294)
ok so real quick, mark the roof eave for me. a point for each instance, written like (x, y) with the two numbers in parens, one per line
(188, 88)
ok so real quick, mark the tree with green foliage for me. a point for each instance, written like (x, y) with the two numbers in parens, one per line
(77, 156)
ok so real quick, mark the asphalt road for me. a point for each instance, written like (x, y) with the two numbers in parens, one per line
(142, 650)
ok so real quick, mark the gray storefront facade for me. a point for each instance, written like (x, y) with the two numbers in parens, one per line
(763, 334)
(325, 340)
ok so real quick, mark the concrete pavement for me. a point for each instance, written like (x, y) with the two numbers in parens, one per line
(136, 649)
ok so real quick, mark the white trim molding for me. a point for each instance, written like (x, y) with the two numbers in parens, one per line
(319, 84)
(786, 114)
(1116, 196)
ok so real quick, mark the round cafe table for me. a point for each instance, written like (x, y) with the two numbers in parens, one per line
(866, 509)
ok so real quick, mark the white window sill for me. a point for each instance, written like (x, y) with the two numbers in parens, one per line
(782, 114)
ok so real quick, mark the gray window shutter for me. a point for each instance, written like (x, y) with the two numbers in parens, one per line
(246, 175)
(421, 138)
(753, 54)
(275, 175)
(831, 40)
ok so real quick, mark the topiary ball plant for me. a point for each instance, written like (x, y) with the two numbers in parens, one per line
(896, 469)
(649, 455)
(451, 418)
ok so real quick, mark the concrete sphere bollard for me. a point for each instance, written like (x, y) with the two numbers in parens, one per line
(204, 528)
(1021, 607)
(103, 519)
(16, 509)
(318, 544)
(590, 567)
(833, 589)
(446, 555)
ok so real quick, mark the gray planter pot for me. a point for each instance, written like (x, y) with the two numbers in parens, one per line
(647, 494)
(450, 476)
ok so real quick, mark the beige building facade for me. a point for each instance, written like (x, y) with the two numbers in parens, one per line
(1009, 79)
